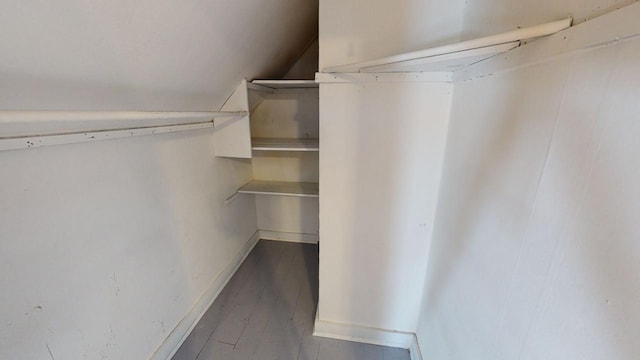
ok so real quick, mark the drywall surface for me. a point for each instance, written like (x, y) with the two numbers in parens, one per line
(381, 152)
(483, 18)
(535, 252)
(106, 246)
(144, 55)
(287, 114)
(382, 147)
(359, 30)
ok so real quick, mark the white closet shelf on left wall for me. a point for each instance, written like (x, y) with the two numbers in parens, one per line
(32, 129)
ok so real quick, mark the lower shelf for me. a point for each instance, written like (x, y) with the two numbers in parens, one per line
(280, 188)
(285, 144)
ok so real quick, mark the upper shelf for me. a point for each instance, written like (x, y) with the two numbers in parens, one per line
(278, 144)
(285, 84)
(454, 56)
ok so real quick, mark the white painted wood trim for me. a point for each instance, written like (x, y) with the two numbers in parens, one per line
(115, 116)
(180, 333)
(444, 62)
(511, 36)
(347, 78)
(281, 188)
(33, 129)
(289, 237)
(233, 136)
(363, 334)
(605, 30)
(414, 349)
(30, 142)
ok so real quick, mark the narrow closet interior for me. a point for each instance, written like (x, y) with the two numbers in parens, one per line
(319, 180)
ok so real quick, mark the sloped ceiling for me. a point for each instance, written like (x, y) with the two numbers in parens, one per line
(173, 55)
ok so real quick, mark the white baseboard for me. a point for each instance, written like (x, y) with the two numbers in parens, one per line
(288, 237)
(180, 333)
(414, 349)
(363, 334)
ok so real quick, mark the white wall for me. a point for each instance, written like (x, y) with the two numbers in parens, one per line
(380, 163)
(382, 147)
(535, 252)
(144, 55)
(106, 246)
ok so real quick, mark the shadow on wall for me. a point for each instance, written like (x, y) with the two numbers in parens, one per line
(385, 188)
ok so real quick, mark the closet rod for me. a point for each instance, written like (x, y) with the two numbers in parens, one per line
(60, 115)
(460, 47)
(122, 124)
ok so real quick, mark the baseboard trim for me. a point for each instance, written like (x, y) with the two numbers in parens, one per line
(288, 237)
(363, 334)
(180, 333)
(414, 349)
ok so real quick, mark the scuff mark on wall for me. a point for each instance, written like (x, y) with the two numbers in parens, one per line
(50, 352)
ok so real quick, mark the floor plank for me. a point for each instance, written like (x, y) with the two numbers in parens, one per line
(266, 312)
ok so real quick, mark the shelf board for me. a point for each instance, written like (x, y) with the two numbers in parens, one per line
(443, 63)
(297, 189)
(277, 144)
(286, 84)
(31, 129)
(453, 55)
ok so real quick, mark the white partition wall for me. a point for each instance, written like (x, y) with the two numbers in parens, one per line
(382, 146)
(116, 247)
(382, 151)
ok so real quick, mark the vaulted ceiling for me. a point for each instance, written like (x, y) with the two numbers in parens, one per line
(173, 55)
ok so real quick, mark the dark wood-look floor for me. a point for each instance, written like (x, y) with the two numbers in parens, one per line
(266, 312)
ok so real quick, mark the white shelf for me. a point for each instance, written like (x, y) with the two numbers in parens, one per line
(32, 129)
(454, 56)
(285, 84)
(278, 144)
(279, 188)
(446, 62)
